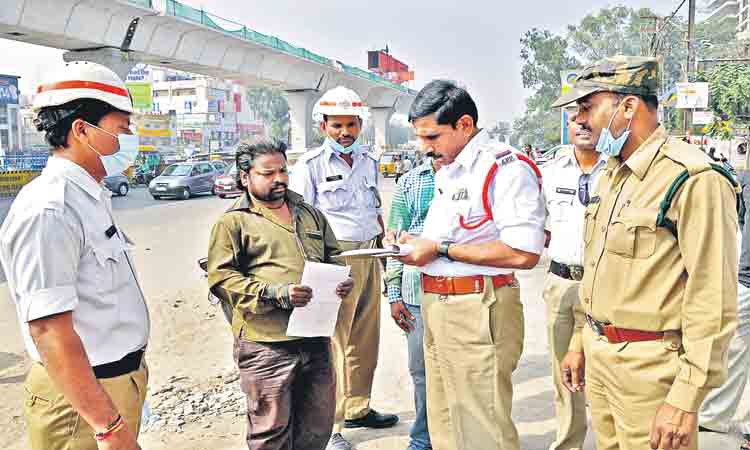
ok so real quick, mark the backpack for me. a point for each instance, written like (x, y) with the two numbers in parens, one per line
(666, 203)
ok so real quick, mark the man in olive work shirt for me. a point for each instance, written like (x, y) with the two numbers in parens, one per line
(257, 253)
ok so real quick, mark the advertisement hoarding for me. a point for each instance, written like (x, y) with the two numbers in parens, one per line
(9, 94)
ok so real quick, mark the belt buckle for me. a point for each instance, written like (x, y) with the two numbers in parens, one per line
(576, 272)
(596, 327)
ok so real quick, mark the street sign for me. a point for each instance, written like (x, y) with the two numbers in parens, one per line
(692, 95)
(567, 79)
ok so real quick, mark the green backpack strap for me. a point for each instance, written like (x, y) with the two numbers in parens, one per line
(666, 203)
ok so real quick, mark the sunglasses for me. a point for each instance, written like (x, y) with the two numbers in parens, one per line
(583, 189)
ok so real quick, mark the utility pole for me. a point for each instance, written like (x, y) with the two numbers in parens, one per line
(690, 69)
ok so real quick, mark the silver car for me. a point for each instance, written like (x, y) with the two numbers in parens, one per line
(184, 180)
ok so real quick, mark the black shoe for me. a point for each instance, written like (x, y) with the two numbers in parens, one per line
(373, 419)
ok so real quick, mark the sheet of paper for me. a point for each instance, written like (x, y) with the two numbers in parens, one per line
(318, 318)
(388, 251)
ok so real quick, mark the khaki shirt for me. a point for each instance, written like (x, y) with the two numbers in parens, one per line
(251, 250)
(638, 276)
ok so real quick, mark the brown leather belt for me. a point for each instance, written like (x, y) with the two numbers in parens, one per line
(616, 335)
(462, 285)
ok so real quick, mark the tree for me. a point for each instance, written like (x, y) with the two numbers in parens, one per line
(501, 131)
(608, 32)
(729, 98)
(271, 107)
(545, 55)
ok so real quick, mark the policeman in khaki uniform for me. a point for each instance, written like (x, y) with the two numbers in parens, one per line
(71, 275)
(341, 179)
(569, 182)
(485, 222)
(659, 293)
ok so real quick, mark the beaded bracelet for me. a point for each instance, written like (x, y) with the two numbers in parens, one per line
(112, 428)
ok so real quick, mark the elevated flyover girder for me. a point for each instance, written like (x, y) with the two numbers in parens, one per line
(98, 30)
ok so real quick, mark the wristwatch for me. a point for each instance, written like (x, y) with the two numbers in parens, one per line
(443, 249)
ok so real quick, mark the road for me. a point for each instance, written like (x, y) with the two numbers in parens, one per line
(190, 339)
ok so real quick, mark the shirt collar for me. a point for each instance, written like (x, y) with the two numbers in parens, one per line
(469, 154)
(425, 167)
(569, 159)
(640, 161)
(76, 174)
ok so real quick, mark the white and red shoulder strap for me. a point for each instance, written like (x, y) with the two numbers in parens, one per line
(501, 159)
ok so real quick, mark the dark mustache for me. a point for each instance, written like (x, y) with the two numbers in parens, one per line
(434, 155)
(278, 184)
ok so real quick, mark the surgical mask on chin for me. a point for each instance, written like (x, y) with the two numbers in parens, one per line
(125, 157)
(608, 144)
(338, 148)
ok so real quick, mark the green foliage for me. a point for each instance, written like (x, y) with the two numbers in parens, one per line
(729, 91)
(271, 107)
(609, 32)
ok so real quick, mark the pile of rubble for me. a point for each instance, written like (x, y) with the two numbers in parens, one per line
(178, 403)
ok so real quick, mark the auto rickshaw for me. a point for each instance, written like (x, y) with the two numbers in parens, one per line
(387, 164)
(148, 165)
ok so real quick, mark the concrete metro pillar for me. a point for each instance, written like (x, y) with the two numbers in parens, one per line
(381, 118)
(117, 60)
(301, 105)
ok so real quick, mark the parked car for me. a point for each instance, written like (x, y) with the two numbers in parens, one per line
(226, 184)
(219, 165)
(184, 180)
(118, 184)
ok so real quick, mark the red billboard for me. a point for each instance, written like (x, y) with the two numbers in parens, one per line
(390, 68)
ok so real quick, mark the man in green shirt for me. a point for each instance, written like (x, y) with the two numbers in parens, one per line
(257, 253)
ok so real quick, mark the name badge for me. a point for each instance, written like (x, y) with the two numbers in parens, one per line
(334, 178)
(461, 194)
(565, 191)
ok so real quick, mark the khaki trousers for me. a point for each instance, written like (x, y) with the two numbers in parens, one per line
(625, 385)
(561, 297)
(357, 336)
(54, 425)
(472, 344)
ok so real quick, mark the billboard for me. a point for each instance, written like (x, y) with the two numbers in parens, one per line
(390, 68)
(692, 95)
(141, 95)
(9, 94)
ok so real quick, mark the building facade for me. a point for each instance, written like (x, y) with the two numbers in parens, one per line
(11, 126)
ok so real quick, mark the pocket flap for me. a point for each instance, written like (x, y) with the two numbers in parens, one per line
(638, 217)
(110, 250)
(332, 186)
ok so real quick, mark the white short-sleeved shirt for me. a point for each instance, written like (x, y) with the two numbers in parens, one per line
(348, 196)
(58, 257)
(565, 211)
(516, 202)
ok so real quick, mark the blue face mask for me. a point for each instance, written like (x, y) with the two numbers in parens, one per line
(338, 148)
(607, 143)
(125, 157)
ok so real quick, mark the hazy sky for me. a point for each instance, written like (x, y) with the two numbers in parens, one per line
(474, 42)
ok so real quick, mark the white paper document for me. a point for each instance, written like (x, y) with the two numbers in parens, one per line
(318, 318)
(386, 252)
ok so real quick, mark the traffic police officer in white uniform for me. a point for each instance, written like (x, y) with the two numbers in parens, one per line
(569, 182)
(486, 221)
(341, 179)
(82, 312)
